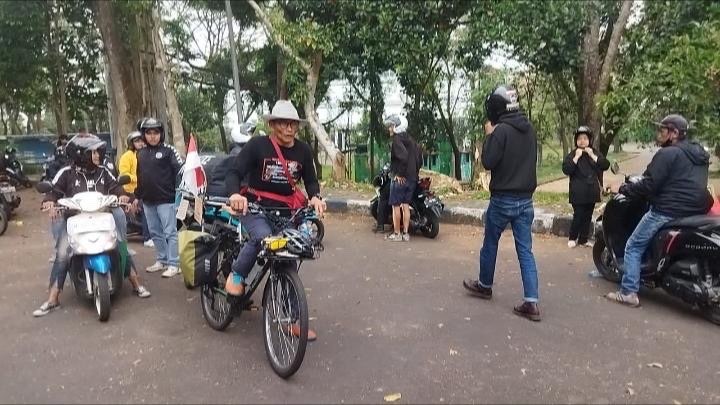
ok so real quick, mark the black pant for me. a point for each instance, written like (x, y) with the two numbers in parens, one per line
(580, 227)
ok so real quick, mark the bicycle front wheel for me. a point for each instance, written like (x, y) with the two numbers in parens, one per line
(285, 316)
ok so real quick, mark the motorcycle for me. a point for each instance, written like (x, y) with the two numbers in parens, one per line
(680, 258)
(15, 173)
(425, 207)
(96, 265)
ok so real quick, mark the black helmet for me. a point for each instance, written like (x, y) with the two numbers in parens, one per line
(80, 149)
(676, 122)
(9, 150)
(502, 100)
(149, 123)
(584, 129)
(132, 136)
(299, 243)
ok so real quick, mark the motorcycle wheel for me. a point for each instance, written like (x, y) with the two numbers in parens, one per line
(101, 291)
(711, 313)
(603, 260)
(3, 219)
(432, 228)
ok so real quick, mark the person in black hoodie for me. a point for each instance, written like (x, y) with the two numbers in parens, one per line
(404, 166)
(157, 167)
(510, 153)
(675, 183)
(584, 165)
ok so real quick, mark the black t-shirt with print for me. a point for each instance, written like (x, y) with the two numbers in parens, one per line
(259, 161)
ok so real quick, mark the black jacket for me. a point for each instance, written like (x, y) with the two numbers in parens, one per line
(675, 181)
(217, 170)
(585, 177)
(510, 153)
(157, 169)
(404, 153)
(70, 180)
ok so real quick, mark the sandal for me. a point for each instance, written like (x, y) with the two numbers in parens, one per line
(294, 330)
(630, 300)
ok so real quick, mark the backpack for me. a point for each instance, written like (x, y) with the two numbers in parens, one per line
(198, 257)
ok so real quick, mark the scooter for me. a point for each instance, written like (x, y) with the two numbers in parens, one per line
(425, 207)
(15, 173)
(681, 259)
(96, 265)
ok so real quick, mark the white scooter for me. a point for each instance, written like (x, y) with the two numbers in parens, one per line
(95, 264)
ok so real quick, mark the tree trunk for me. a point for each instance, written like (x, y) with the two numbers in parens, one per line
(336, 157)
(3, 120)
(480, 178)
(316, 159)
(282, 89)
(59, 85)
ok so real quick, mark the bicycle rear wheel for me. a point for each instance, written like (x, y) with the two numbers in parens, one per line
(216, 305)
(285, 305)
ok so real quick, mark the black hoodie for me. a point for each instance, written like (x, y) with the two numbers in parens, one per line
(510, 153)
(675, 181)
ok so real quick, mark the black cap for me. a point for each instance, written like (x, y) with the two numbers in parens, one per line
(674, 121)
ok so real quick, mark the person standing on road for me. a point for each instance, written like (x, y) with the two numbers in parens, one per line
(128, 165)
(675, 183)
(510, 153)
(158, 166)
(404, 172)
(584, 165)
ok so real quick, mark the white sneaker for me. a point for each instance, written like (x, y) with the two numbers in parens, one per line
(406, 237)
(155, 267)
(149, 243)
(142, 292)
(588, 244)
(572, 244)
(171, 271)
(131, 252)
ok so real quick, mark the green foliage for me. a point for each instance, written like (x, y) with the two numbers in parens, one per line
(196, 109)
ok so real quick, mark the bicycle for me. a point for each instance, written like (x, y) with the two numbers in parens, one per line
(284, 301)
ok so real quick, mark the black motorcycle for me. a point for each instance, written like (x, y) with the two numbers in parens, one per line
(15, 173)
(425, 207)
(681, 259)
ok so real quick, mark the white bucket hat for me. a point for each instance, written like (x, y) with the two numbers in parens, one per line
(283, 110)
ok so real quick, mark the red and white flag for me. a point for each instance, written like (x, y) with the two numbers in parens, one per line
(194, 175)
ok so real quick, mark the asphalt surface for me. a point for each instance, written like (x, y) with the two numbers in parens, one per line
(391, 318)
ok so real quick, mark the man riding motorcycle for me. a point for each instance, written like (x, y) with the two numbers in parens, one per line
(85, 174)
(217, 169)
(675, 183)
(266, 160)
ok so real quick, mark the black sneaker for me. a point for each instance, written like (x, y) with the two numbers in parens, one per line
(477, 290)
(379, 229)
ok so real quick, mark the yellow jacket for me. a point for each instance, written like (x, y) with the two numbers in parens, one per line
(128, 165)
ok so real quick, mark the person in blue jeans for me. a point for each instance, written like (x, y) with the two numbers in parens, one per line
(157, 168)
(510, 153)
(675, 183)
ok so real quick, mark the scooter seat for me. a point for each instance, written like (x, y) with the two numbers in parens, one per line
(695, 221)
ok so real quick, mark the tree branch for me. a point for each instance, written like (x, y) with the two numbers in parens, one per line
(272, 32)
(613, 46)
(336, 117)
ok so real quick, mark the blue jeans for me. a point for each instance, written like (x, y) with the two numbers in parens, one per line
(519, 213)
(59, 269)
(258, 228)
(163, 229)
(636, 245)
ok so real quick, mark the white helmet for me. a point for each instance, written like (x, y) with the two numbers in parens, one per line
(241, 134)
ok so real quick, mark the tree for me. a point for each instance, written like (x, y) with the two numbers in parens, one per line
(576, 43)
(306, 43)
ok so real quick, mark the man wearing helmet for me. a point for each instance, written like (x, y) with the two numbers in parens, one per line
(128, 166)
(675, 183)
(218, 168)
(510, 153)
(273, 165)
(158, 166)
(404, 166)
(84, 174)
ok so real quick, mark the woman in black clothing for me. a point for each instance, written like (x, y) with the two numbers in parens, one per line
(584, 165)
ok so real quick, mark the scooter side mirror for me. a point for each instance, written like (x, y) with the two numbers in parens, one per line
(615, 167)
(124, 179)
(44, 187)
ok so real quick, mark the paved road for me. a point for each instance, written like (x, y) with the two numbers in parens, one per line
(392, 318)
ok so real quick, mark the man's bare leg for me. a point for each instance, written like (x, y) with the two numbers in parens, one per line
(396, 218)
(406, 217)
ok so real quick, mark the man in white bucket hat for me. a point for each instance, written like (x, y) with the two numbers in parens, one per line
(273, 165)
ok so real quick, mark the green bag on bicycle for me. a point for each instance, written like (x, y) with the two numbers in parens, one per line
(198, 257)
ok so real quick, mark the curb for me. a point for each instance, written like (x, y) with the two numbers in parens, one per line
(544, 223)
